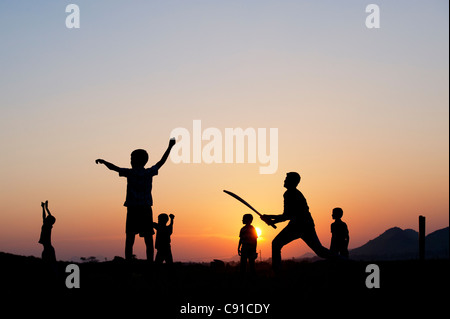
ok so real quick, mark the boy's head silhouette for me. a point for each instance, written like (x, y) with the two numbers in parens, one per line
(337, 213)
(163, 219)
(247, 219)
(292, 179)
(139, 158)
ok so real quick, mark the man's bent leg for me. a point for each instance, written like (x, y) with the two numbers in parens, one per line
(311, 239)
(284, 237)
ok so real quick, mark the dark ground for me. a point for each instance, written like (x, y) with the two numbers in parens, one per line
(303, 289)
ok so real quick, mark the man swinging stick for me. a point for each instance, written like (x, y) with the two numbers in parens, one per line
(301, 224)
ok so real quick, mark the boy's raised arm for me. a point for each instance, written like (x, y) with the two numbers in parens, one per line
(46, 208)
(166, 154)
(107, 164)
(43, 211)
(171, 216)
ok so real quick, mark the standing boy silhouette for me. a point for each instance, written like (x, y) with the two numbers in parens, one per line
(247, 244)
(339, 234)
(139, 198)
(48, 254)
(162, 243)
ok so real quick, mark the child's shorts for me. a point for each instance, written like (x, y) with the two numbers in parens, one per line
(139, 220)
(249, 252)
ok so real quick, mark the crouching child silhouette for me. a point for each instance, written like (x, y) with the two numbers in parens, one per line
(247, 245)
(339, 234)
(139, 199)
(162, 244)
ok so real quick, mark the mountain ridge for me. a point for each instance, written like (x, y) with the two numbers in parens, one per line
(396, 244)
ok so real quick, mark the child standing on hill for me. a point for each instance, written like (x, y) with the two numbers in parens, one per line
(247, 244)
(339, 234)
(162, 244)
(139, 198)
(48, 254)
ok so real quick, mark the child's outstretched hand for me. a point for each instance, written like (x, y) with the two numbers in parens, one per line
(99, 161)
(172, 142)
(172, 216)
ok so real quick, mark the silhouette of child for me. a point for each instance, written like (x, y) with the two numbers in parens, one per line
(339, 234)
(48, 254)
(139, 198)
(247, 244)
(162, 244)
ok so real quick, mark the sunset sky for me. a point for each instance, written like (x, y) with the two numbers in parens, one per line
(362, 114)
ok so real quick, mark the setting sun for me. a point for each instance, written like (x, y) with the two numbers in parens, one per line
(258, 231)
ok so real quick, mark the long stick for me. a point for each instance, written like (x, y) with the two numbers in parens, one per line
(248, 205)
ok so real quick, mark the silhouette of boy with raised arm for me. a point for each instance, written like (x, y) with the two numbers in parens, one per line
(162, 244)
(139, 198)
(301, 224)
(48, 254)
(247, 244)
(339, 234)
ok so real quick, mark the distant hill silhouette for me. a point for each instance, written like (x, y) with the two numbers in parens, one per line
(396, 244)
(437, 244)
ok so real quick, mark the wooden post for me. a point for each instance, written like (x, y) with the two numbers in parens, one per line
(421, 237)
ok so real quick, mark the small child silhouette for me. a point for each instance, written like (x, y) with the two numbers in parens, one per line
(139, 199)
(247, 244)
(162, 244)
(339, 234)
(48, 254)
